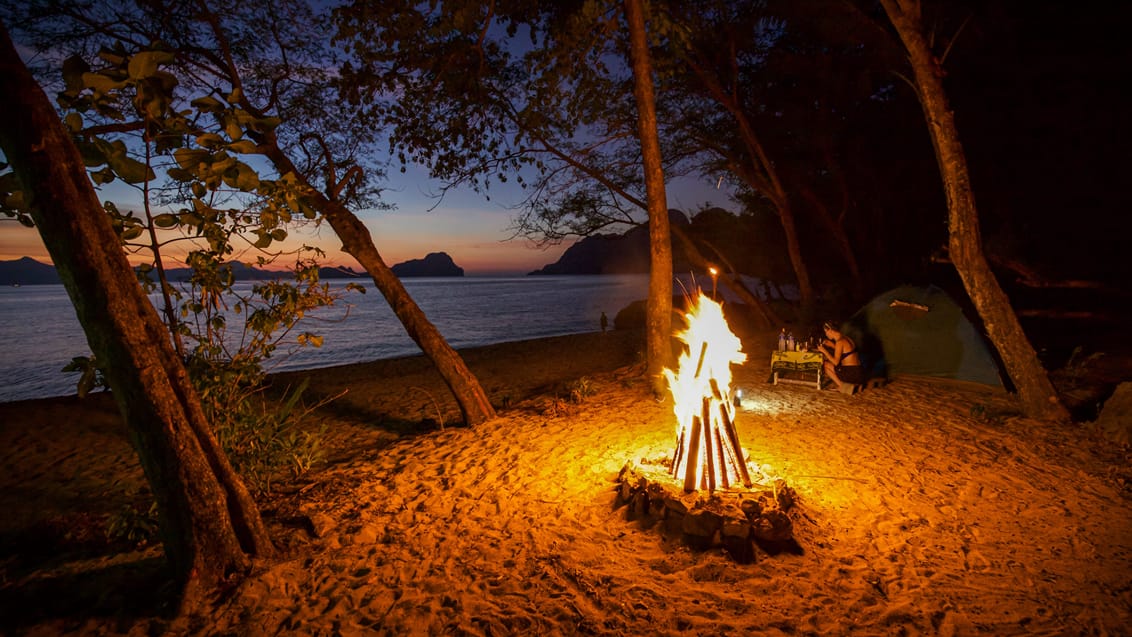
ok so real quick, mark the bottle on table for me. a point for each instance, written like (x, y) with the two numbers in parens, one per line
(791, 346)
(782, 340)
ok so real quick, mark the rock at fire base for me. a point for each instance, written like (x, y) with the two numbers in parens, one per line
(732, 519)
(700, 527)
(736, 540)
(1116, 415)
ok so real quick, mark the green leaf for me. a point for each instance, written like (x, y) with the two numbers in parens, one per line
(247, 179)
(130, 170)
(208, 104)
(91, 153)
(180, 174)
(145, 64)
(73, 69)
(233, 130)
(74, 122)
(104, 176)
(189, 158)
(307, 338)
(244, 146)
(209, 140)
(165, 220)
(101, 83)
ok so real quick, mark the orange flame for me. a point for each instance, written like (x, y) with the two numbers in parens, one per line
(708, 452)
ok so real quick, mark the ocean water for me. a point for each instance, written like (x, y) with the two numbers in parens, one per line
(39, 333)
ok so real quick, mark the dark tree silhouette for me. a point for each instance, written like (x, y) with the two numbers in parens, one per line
(1038, 397)
(659, 311)
(210, 526)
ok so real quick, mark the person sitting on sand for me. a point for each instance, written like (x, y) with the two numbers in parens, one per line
(842, 362)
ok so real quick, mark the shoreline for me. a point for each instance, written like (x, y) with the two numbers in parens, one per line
(377, 363)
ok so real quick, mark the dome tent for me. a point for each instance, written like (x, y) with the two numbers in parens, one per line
(920, 330)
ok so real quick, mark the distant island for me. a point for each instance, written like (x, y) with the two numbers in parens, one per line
(626, 253)
(434, 264)
(28, 271)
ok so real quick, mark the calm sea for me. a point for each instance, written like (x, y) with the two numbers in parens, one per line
(39, 333)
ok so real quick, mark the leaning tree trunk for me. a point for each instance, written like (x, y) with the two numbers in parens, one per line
(659, 307)
(762, 177)
(1038, 397)
(836, 231)
(209, 523)
(356, 240)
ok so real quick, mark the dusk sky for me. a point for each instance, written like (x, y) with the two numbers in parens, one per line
(471, 229)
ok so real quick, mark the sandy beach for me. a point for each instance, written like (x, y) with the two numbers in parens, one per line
(923, 507)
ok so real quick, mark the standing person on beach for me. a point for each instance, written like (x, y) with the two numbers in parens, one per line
(604, 322)
(842, 362)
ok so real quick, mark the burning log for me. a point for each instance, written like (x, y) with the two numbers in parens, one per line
(708, 455)
(693, 455)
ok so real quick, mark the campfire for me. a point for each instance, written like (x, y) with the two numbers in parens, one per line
(719, 505)
(707, 455)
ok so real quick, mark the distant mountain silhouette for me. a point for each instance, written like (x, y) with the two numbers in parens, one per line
(27, 271)
(434, 264)
(626, 253)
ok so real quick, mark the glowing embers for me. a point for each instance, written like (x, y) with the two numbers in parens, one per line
(708, 455)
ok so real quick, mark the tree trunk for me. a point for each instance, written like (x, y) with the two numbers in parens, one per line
(794, 249)
(762, 177)
(209, 524)
(840, 238)
(356, 240)
(1038, 397)
(659, 312)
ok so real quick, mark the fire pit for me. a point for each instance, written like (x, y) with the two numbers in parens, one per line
(737, 513)
(739, 521)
